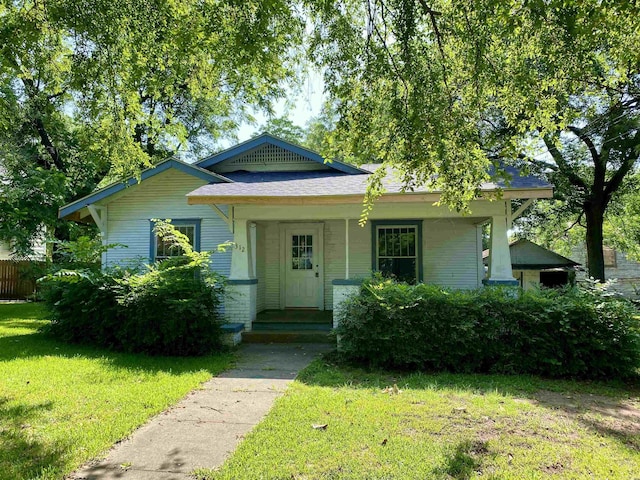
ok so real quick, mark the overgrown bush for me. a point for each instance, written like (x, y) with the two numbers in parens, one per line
(170, 309)
(582, 332)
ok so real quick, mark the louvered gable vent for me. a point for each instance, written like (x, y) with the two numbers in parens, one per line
(269, 158)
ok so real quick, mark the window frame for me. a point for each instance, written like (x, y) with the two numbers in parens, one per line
(613, 257)
(376, 224)
(179, 222)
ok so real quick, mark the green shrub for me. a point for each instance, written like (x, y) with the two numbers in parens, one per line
(574, 332)
(83, 306)
(171, 309)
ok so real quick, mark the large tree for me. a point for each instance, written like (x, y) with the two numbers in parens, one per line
(441, 89)
(107, 87)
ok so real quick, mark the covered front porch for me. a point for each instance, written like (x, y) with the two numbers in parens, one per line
(294, 262)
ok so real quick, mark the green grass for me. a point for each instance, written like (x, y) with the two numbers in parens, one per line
(62, 405)
(441, 426)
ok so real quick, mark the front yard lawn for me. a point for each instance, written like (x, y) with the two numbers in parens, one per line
(62, 405)
(441, 426)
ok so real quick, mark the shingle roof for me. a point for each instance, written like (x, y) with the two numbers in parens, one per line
(330, 183)
(526, 255)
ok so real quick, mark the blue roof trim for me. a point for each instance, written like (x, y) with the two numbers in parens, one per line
(266, 138)
(194, 170)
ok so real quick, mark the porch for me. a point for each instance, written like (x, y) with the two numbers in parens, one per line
(290, 265)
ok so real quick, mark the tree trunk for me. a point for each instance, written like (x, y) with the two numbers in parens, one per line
(594, 215)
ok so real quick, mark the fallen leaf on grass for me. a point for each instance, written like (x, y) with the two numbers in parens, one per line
(322, 426)
(392, 390)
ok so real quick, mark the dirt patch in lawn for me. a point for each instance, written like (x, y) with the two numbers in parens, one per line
(606, 415)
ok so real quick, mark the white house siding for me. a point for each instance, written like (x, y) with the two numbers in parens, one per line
(272, 266)
(528, 279)
(5, 251)
(450, 253)
(451, 256)
(39, 247)
(335, 254)
(261, 264)
(162, 196)
(626, 272)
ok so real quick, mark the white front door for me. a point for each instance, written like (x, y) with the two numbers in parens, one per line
(303, 267)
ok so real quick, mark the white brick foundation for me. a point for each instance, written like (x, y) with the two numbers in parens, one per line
(341, 291)
(240, 303)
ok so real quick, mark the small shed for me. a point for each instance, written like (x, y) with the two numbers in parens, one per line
(534, 265)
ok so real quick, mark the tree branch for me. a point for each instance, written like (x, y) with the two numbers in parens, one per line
(563, 166)
(434, 24)
(625, 168)
(580, 133)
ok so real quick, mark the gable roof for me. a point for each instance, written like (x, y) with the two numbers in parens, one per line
(163, 166)
(526, 255)
(268, 139)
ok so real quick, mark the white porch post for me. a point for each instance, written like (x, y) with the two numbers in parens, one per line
(343, 288)
(500, 272)
(346, 248)
(241, 256)
(242, 286)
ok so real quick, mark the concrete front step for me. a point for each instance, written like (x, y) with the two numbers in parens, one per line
(291, 326)
(298, 336)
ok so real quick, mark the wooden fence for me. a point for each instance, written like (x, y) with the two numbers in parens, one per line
(17, 281)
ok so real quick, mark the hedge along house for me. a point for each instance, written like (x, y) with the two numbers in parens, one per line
(293, 221)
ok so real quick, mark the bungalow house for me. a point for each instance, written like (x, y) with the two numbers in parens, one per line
(293, 221)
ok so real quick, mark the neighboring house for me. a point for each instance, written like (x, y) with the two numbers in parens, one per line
(535, 266)
(294, 222)
(39, 251)
(618, 267)
(39, 246)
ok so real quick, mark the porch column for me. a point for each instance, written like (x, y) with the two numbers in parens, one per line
(242, 286)
(346, 248)
(500, 272)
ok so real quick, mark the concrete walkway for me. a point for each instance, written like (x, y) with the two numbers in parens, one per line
(208, 424)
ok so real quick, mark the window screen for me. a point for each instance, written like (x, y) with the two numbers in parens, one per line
(397, 252)
(164, 249)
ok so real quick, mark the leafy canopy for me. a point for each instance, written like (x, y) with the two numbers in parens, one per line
(107, 87)
(441, 89)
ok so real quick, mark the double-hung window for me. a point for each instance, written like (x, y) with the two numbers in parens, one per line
(397, 250)
(161, 249)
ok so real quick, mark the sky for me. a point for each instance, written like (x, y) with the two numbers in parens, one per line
(299, 107)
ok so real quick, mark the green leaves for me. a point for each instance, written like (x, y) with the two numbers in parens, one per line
(585, 332)
(90, 88)
(440, 89)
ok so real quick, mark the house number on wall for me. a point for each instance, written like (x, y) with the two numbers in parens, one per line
(241, 248)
